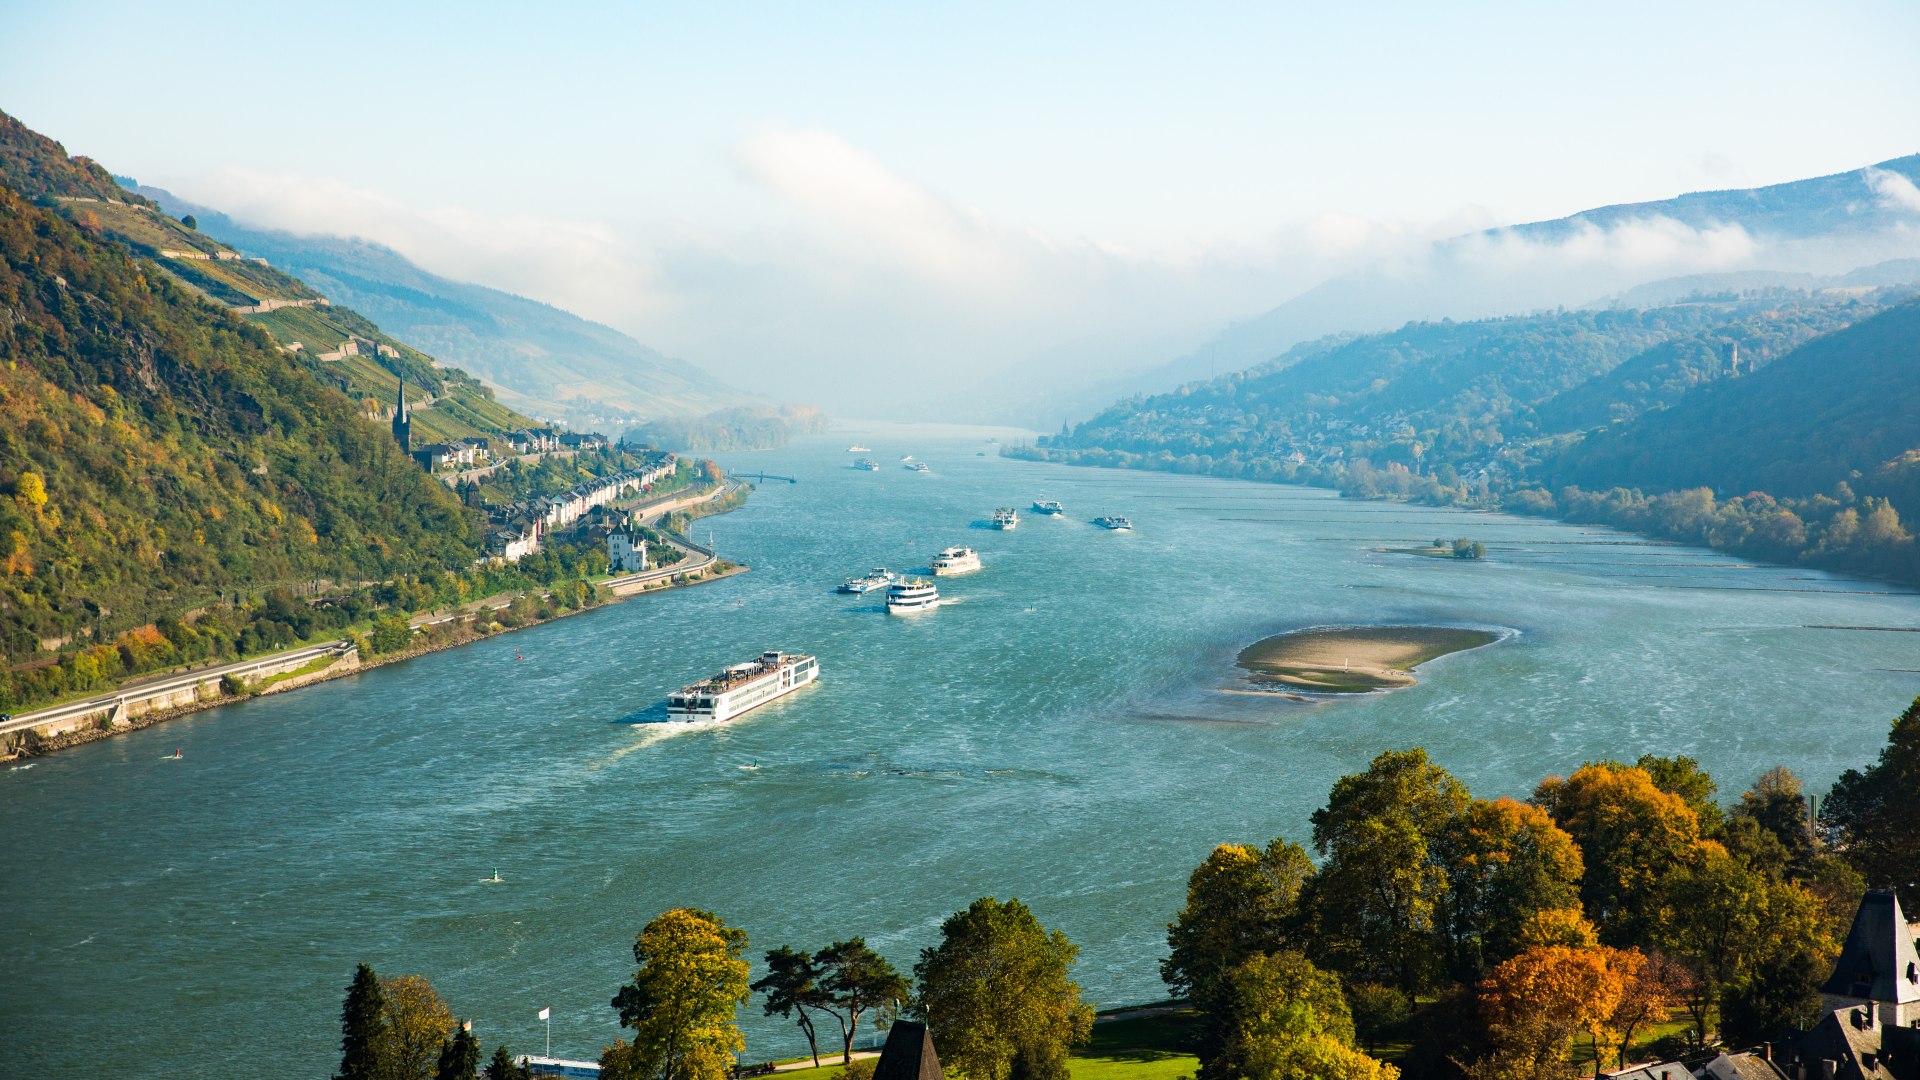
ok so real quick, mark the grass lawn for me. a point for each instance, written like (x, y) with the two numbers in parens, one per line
(1144, 1048)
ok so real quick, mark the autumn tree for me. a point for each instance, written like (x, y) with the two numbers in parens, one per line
(1505, 862)
(1538, 1002)
(855, 980)
(999, 989)
(1289, 1021)
(1631, 836)
(681, 1001)
(416, 1023)
(1240, 902)
(1682, 775)
(792, 989)
(1378, 894)
(362, 1016)
(1870, 813)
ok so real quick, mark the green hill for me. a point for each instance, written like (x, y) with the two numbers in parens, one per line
(543, 359)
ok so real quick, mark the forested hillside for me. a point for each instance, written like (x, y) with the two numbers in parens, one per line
(1736, 421)
(160, 454)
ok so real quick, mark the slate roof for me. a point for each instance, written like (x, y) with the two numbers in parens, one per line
(1743, 1066)
(1878, 961)
(1672, 1070)
(908, 1054)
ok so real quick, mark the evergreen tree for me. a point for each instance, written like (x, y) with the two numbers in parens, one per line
(460, 1057)
(503, 1068)
(1871, 813)
(360, 1023)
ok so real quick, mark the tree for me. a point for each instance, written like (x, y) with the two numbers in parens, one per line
(1682, 775)
(998, 988)
(1376, 897)
(1289, 1021)
(1505, 862)
(502, 1067)
(1536, 1003)
(391, 633)
(362, 1015)
(31, 489)
(460, 1057)
(1631, 836)
(1870, 814)
(1777, 804)
(854, 979)
(792, 987)
(189, 222)
(681, 1001)
(417, 1023)
(1649, 989)
(1376, 1010)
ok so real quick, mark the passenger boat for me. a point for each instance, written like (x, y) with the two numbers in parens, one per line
(911, 597)
(918, 466)
(868, 464)
(1116, 523)
(743, 687)
(1006, 519)
(955, 561)
(858, 449)
(877, 578)
(1048, 507)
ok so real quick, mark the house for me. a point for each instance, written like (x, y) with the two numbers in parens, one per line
(1745, 1065)
(1871, 1026)
(626, 553)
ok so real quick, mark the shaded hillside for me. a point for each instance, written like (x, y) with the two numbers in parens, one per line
(544, 359)
(741, 428)
(1847, 402)
(159, 453)
(41, 168)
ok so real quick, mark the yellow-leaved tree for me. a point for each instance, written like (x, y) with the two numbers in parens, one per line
(681, 1001)
(416, 1023)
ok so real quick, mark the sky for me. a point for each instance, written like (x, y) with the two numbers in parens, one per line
(863, 197)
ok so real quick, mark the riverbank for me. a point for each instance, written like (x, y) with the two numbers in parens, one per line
(1354, 659)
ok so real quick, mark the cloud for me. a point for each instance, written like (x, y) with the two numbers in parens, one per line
(1653, 243)
(585, 265)
(1895, 191)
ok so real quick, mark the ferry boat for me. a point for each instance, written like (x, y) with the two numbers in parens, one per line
(1048, 507)
(858, 449)
(1006, 518)
(743, 687)
(918, 466)
(877, 578)
(911, 597)
(955, 561)
(1116, 523)
(868, 464)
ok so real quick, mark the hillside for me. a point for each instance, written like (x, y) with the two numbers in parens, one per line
(160, 454)
(544, 360)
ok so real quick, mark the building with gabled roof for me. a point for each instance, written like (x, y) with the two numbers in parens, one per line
(1878, 966)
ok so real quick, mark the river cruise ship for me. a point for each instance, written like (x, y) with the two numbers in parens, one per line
(955, 561)
(1116, 523)
(877, 578)
(868, 464)
(1006, 518)
(1049, 507)
(911, 597)
(918, 466)
(743, 687)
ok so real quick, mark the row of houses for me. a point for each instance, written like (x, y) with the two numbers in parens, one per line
(520, 526)
(538, 440)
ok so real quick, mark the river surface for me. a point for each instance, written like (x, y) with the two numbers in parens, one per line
(1057, 733)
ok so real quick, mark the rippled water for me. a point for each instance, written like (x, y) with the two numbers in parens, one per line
(1056, 734)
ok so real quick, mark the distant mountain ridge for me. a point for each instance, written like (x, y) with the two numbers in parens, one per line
(541, 358)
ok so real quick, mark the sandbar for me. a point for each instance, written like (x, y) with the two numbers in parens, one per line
(1354, 659)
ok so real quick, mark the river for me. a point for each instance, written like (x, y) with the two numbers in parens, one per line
(1057, 733)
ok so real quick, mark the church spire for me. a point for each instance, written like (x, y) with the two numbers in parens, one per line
(402, 423)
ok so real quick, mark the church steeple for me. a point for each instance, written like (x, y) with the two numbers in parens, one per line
(402, 423)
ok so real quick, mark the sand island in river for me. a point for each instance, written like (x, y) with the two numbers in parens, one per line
(1353, 659)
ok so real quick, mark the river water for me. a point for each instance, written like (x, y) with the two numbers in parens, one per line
(1057, 733)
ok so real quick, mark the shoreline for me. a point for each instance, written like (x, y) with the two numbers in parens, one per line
(1336, 660)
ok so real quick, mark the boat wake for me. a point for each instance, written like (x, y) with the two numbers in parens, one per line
(652, 732)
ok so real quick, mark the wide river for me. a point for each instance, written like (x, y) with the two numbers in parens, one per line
(1056, 733)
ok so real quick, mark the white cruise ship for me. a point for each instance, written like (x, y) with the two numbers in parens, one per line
(955, 561)
(1116, 523)
(1006, 518)
(911, 597)
(743, 687)
(867, 464)
(1049, 507)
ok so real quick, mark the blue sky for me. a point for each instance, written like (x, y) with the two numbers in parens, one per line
(853, 186)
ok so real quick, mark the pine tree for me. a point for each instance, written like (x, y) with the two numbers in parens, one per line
(503, 1068)
(360, 1027)
(460, 1057)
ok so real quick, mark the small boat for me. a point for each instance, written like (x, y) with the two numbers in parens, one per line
(858, 449)
(1048, 507)
(906, 457)
(954, 561)
(912, 597)
(1116, 523)
(867, 464)
(877, 578)
(918, 466)
(1006, 519)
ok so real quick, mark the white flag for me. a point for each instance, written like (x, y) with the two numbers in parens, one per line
(544, 1013)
